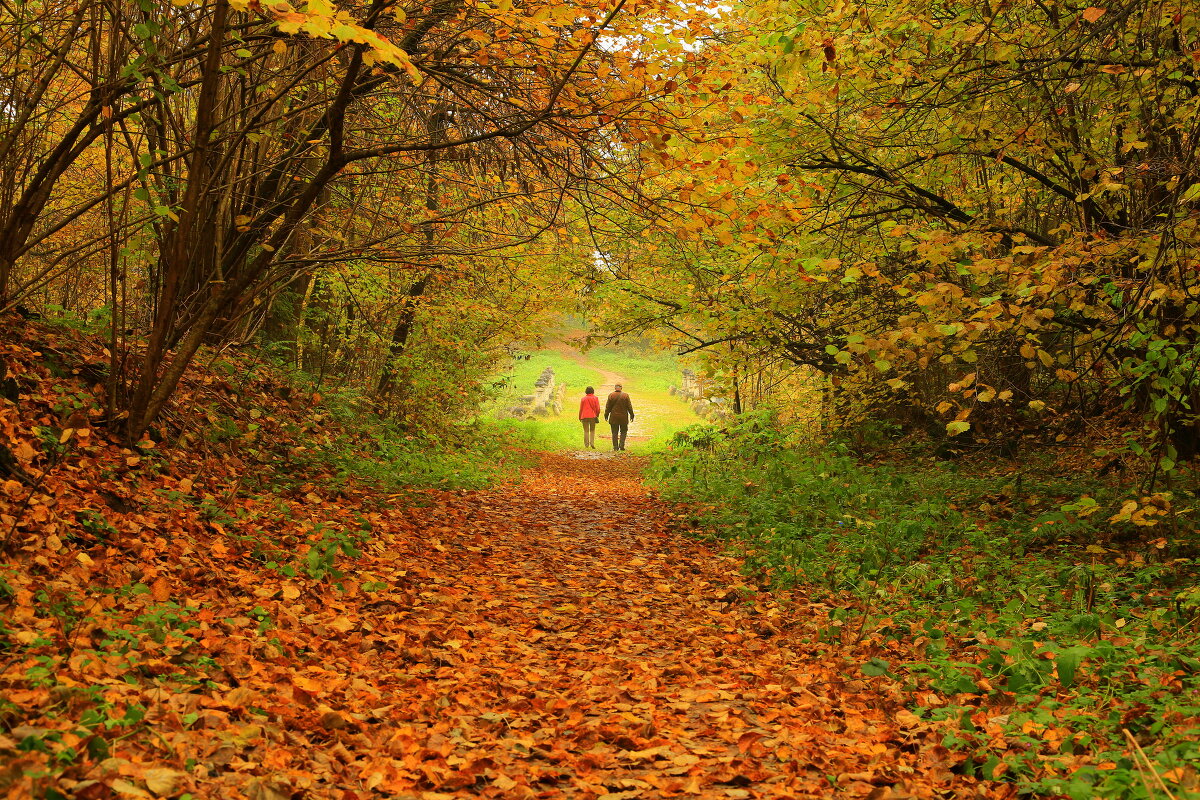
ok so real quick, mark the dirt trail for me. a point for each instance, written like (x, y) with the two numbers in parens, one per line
(572, 646)
(611, 378)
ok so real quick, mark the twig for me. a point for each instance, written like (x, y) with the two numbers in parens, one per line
(232, 494)
(1141, 772)
(866, 613)
(1139, 757)
(19, 512)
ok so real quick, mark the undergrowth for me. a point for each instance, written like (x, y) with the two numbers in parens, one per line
(1062, 645)
(119, 562)
(466, 457)
(340, 438)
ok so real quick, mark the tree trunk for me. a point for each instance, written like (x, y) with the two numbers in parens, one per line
(436, 126)
(404, 326)
(180, 246)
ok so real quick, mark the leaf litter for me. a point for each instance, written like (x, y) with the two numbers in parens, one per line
(168, 632)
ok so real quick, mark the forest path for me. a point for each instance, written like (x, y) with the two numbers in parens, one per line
(568, 350)
(554, 637)
(562, 642)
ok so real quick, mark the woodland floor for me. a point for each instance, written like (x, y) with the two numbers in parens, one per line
(556, 637)
(593, 652)
(215, 619)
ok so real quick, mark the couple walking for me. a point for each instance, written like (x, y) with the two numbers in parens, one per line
(618, 413)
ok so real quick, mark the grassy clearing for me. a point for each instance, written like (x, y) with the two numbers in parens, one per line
(645, 371)
(647, 376)
(520, 375)
(1049, 638)
(651, 431)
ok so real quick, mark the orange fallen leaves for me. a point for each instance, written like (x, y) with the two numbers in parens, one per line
(534, 641)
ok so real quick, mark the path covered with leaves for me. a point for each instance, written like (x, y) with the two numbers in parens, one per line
(552, 638)
(209, 621)
(580, 648)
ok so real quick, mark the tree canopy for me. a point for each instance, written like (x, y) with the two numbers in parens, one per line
(957, 212)
(964, 215)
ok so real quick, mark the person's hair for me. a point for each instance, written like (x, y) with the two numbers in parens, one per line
(617, 387)
(589, 390)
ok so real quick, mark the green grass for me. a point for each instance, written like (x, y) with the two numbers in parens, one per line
(521, 373)
(644, 371)
(1025, 616)
(565, 432)
(363, 448)
(647, 376)
(469, 457)
(561, 432)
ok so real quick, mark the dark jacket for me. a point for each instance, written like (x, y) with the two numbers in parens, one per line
(619, 408)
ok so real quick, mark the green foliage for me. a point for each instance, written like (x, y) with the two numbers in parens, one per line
(327, 543)
(94, 523)
(221, 428)
(343, 436)
(97, 320)
(1008, 591)
(557, 432)
(468, 456)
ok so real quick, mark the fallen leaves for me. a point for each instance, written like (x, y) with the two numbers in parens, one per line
(160, 590)
(536, 640)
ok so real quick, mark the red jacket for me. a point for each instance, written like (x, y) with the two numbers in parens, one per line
(589, 407)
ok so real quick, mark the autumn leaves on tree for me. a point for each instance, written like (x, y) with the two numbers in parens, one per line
(202, 172)
(972, 218)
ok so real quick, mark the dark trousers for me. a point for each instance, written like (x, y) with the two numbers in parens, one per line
(619, 431)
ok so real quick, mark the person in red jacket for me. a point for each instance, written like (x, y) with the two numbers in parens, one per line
(589, 415)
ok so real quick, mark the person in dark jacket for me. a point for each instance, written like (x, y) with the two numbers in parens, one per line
(618, 413)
